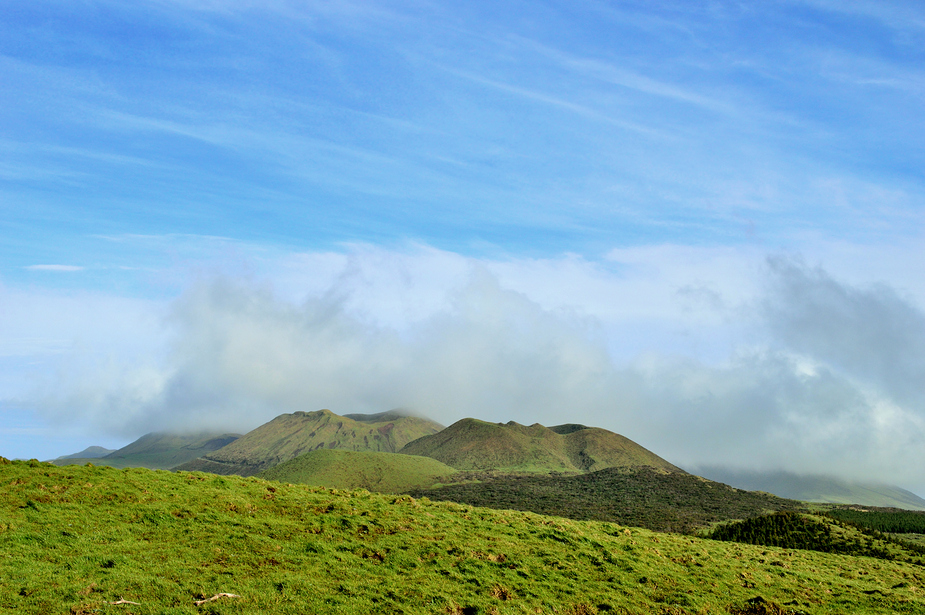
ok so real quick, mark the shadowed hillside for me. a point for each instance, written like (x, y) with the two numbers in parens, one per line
(471, 444)
(642, 496)
(157, 451)
(290, 435)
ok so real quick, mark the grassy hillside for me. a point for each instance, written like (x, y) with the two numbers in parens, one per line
(78, 539)
(813, 488)
(159, 451)
(381, 472)
(471, 444)
(644, 497)
(290, 435)
(381, 417)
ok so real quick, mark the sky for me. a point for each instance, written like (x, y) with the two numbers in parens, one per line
(700, 225)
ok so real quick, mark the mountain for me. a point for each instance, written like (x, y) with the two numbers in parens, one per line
(816, 488)
(157, 451)
(290, 435)
(380, 472)
(471, 444)
(91, 452)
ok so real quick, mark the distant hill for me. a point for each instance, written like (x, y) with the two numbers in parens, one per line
(91, 452)
(471, 444)
(291, 435)
(816, 488)
(158, 451)
(381, 472)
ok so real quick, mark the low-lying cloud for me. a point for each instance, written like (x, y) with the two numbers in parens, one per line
(873, 334)
(240, 355)
(826, 379)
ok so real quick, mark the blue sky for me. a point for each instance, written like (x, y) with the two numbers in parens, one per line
(669, 218)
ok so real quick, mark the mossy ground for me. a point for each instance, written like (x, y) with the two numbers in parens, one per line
(73, 539)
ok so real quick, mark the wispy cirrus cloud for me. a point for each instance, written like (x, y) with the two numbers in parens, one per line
(901, 17)
(56, 268)
(557, 102)
(611, 73)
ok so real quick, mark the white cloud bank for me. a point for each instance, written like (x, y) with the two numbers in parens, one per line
(735, 359)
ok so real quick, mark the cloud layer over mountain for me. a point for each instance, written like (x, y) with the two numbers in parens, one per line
(772, 364)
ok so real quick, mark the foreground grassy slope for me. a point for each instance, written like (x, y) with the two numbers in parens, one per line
(471, 444)
(644, 497)
(290, 435)
(75, 539)
(382, 472)
(158, 451)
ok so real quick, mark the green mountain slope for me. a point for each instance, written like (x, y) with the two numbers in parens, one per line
(471, 444)
(290, 435)
(159, 451)
(381, 472)
(85, 540)
(641, 496)
(814, 488)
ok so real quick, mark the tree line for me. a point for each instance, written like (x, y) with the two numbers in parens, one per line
(793, 530)
(893, 522)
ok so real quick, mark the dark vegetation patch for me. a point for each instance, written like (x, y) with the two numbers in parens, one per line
(793, 530)
(759, 606)
(886, 520)
(640, 497)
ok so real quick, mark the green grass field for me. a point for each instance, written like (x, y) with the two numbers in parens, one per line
(75, 539)
(382, 472)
